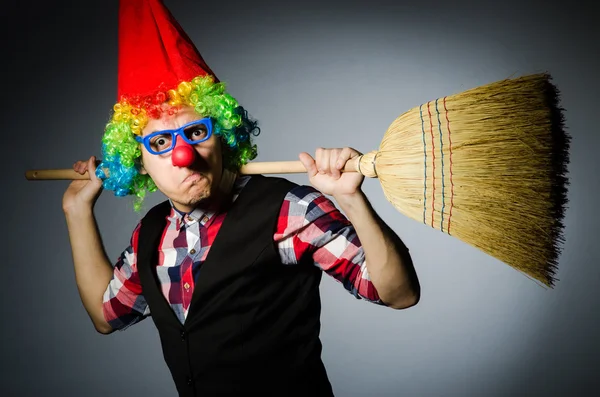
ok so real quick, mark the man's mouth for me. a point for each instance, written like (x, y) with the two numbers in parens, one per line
(193, 177)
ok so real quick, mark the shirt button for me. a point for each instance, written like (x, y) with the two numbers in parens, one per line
(192, 251)
(189, 381)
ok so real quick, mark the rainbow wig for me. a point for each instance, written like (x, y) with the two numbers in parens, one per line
(122, 153)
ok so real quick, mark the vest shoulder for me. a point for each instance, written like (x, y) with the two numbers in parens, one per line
(159, 210)
(273, 181)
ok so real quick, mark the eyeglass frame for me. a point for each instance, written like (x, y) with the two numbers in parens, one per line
(207, 122)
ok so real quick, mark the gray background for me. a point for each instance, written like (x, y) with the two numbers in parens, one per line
(315, 74)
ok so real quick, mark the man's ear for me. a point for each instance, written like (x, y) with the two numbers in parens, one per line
(140, 166)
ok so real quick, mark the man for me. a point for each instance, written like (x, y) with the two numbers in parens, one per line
(229, 267)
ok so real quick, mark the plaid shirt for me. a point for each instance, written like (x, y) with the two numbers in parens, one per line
(309, 224)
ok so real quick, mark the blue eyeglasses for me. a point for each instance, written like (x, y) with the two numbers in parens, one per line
(160, 142)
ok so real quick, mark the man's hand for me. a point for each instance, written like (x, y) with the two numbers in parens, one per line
(324, 171)
(82, 194)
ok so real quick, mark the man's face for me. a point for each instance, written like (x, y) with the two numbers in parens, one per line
(185, 186)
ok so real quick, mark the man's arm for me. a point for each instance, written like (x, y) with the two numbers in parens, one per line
(387, 259)
(93, 271)
(311, 224)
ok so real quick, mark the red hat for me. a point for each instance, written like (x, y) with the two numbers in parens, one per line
(154, 51)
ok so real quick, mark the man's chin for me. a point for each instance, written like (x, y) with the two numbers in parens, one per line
(198, 193)
(198, 197)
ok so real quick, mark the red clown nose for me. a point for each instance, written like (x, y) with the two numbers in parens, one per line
(183, 153)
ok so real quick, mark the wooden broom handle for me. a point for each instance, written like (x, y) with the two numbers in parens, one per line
(363, 164)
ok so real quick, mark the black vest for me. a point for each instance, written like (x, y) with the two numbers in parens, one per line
(253, 324)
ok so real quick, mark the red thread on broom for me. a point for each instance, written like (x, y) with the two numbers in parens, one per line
(433, 154)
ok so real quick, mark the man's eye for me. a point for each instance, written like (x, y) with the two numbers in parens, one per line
(197, 133)
(160, 142)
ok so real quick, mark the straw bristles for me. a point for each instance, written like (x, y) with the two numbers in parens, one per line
(486, 166)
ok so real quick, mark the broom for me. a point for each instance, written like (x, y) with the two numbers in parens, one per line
(487, 166)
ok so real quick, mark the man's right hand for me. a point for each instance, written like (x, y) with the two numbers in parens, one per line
(82, 194)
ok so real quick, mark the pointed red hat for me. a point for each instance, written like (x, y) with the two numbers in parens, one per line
(154, 51)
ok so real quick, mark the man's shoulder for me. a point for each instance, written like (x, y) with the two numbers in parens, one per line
(303, 197)
(295, 192)
(160, 210)
(271, 180)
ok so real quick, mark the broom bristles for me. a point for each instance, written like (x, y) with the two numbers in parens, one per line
(487, 166)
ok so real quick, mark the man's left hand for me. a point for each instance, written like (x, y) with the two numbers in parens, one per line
(324, 171)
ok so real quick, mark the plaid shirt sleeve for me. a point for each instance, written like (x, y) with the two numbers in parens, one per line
(123, 303)
(310, 224)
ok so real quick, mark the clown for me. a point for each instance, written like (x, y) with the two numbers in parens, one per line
(224, 132)
(229, 267)
(176, 79)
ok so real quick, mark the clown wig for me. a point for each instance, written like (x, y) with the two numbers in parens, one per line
(122, 153)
